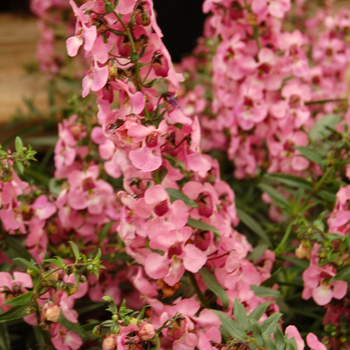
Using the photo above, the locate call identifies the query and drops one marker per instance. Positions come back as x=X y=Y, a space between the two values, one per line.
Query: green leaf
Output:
x=230 y=326
x=55 y=186
x=290 y=180
x=241 y=316
x=291 y=344
x=320 y=131
x=265 y=292
x=104 y=232
x=23 y=299
x=253 y=225
x=75 y=327
x=297 y=262
x=311 y=154
x=175 y=194
x=278 y=198
x=259 y=311
x=202 y=226
x=269 y=343
x=343 y=274
x=5 y=343
x=28 y=264
x=257 y=252
x=211 y=282
x=75 y=251
x=14 y=313
x=257 y=333
x=18 y=144
x=57 y=261
x=19 y=166
x=279 y=339
x=269 y=325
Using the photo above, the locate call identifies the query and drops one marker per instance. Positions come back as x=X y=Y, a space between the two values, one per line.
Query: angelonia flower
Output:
x=256 y=96
x=132 y=178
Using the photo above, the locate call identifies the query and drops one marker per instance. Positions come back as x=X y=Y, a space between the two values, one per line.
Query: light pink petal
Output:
x=340 y=289
x=322 y=294
x=293 y=332
x=24 y=278
x=145 y=159
x=156 y=266
x=313 y=342
x=193 y=258
x=156 y=194
x=73 y=43
x=5 y=279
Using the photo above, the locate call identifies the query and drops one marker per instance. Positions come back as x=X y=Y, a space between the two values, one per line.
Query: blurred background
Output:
x=180 y=20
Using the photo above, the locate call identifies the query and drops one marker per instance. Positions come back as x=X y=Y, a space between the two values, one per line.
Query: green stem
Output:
x=157 y=342
x=325 y=101
x=318 y=185
x=198 y=291
x=280 y=247
x=136 y=64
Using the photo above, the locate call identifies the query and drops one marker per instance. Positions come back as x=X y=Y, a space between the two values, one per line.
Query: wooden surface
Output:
x=18 y=38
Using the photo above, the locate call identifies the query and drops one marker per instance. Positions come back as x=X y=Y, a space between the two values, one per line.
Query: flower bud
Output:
x=51 y=313
x=109 y=343
x=146 y=332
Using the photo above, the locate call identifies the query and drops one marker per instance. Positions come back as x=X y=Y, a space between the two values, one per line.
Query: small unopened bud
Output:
x=107 y=299
x=303 y=252
x=146 y=332
x=52 y=313
x=109 y=343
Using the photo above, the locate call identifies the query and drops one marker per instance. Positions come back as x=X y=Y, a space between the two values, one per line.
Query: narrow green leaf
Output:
x=279 y=339
x=320 y=129
x=57 y=261
x=297 y=262
x=175 y=194
x=290 y=180
x=55 y=186
x=75 y=250
x=202 y=226
x=311 y=154
x=269 y=343
x=211 y=282
x=269 y=325
x=343 y=275
x=23 y=299
x=257 y=252
x=20 y=166
x=104 y=232
x=276 y=196
x=257 y=313
x=241 y=316
x=265 y=292
x=291 y=344
x=257 y=333
x=14 y=313
x=5 y=342
x=28 y=264
x=18 y=144
x=230 y=326
x=76 y=277
x=253 y=225
x=75 y=327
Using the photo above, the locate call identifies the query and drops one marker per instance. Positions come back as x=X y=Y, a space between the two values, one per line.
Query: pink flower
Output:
x=63 y=339
x=314 y=343
x=178 y=256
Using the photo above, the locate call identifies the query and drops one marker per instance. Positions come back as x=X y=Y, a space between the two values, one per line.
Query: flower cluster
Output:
x=265 y=88
x=151 y=224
